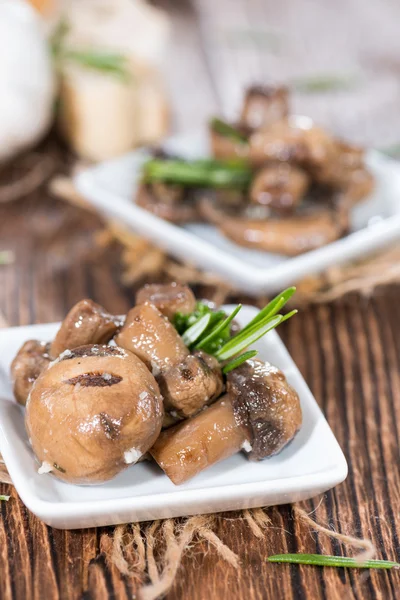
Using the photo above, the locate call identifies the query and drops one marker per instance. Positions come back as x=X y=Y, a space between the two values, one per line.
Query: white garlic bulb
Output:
x=27 y=81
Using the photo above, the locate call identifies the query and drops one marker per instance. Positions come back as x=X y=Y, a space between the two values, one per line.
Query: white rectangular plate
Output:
x=311 y=464
x=375 y=222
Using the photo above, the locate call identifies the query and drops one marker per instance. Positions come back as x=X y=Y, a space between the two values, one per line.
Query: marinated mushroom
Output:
x=261 y=414
x=32 y=358
x=93 y=412
x=257 y=185
x=308 y=229
x=86 y=323
x=148 y=334
x=264 y=105
x=173 y=203
x=280 y=186
x=191 y=385
x=289 y=141
x=169 y=298
x=228 y=141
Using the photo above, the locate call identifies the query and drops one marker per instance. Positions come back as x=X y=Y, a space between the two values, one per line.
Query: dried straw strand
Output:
x=367 y=545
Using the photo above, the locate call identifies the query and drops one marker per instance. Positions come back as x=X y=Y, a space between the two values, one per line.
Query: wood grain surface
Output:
x=348 y=352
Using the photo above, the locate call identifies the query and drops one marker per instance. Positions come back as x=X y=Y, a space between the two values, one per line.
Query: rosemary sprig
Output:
x=209 y=331
x=245 y=338
x=272 y=307
x=110 y=63
x=228 y=131
x=218 y=329
x=323 y=83
x=194 y=332
x=4 y=498
x=198 y=173
x=239 y=360
x=320 y=560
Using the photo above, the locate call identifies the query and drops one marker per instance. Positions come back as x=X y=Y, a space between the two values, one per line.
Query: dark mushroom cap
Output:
x=93 y=412
x=190 y=385
x=265 y=405
x=264 y=105
x=169 y=298
x=166 y=202
x=280 y=186
x=86 y=323
x=148 y=334
x=32 y=358
x=310 y=147
x=224 y=147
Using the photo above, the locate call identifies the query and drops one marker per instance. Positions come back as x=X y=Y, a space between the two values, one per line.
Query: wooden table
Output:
x=349 y=353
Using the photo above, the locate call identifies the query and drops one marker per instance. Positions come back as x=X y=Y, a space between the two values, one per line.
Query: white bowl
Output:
x=311 y=464
x=375 y=222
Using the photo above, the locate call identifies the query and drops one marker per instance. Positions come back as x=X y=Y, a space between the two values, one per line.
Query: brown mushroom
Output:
x=226 y=147
x=347 y=172
x=169 y=298
x=307 y=229
x=93 y=412
x=191 y=385
x=264 y=105
x=285 y=140
x=32 y=358
x=148 y=334
x=261 y=414
x=173 y=203
x=280 y=186
x=86 y=323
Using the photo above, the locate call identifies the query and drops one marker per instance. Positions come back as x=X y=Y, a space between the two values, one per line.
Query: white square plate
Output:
x=374 y=223
x=311 y=464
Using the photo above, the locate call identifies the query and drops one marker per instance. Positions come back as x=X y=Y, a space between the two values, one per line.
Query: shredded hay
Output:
x=162 y=545
x=368 y=547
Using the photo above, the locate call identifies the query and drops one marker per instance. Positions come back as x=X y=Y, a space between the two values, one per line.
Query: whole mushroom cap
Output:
x=265 y=405
x=86 y=323
x=169 y=298
x=32 y=358
x=92 y=412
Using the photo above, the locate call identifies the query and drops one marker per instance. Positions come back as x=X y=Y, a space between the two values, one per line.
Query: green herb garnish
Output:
x=4 y=498
x=332 y=561
x=211 y=331
x=194 y=332
x=216 y=332
x=264 y=39
x=198 y=173
x=228 y=131
x=239 y=360
x=110 y=63
x=318 y=84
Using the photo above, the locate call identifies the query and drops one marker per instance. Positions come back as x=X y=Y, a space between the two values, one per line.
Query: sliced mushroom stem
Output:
x=261 y=414
x=190 y=447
